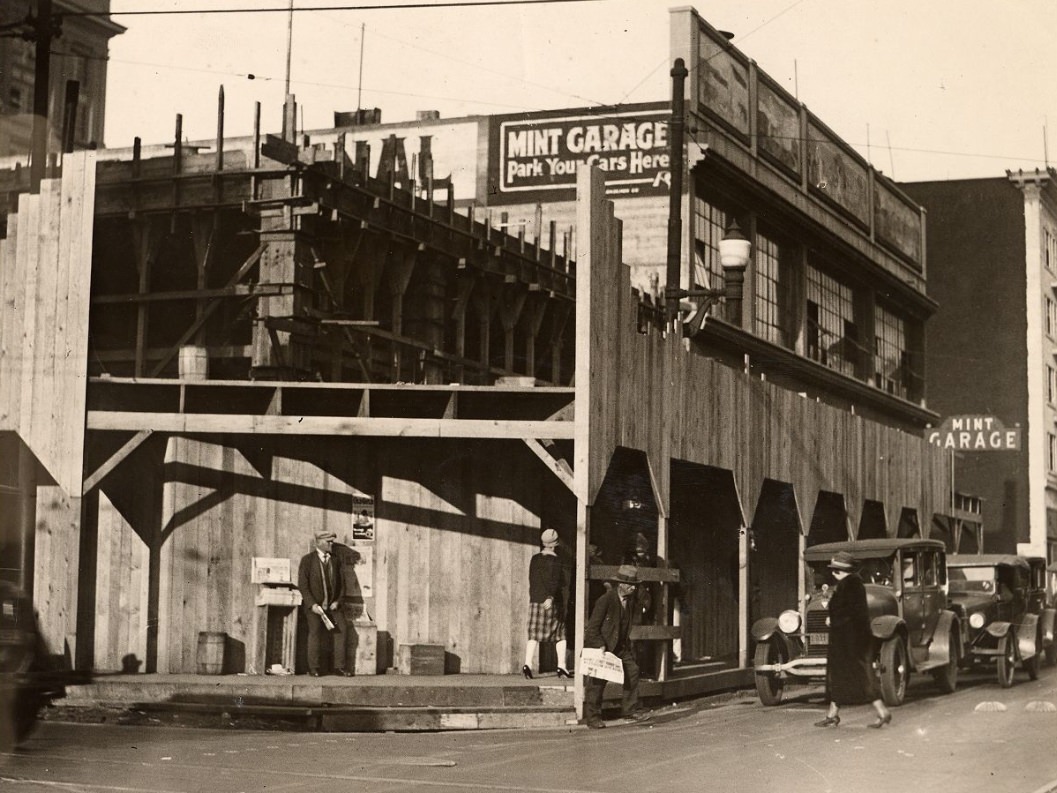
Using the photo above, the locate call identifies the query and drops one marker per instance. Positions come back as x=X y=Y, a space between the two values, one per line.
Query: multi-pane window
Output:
x=770 y=321
x=832 y=337
x=1051 y=317
x=890 y=352
x=1051 y=385
x=1053 y=451
x=710 y=223
x=1051 y=249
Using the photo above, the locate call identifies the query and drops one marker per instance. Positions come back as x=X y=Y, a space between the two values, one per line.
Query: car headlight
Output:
x=789 y=621
x=977 y=620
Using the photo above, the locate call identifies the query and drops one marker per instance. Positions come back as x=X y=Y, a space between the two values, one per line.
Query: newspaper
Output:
x=596 y=662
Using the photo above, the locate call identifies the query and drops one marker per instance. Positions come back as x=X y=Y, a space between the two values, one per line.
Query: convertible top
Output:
x=870 y=549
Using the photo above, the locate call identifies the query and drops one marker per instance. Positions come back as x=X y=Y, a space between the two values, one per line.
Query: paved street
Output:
x=981 y=738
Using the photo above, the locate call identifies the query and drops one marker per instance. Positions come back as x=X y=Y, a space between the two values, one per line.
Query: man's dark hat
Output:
x=842 y=561
x=626 y=574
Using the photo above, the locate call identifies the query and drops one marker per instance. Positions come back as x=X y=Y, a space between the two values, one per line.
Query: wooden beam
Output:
x=560 y=468
x=327 y=425
x=141 y=231
x=101 y=472
x=238 y=290
x=606 y=572
x=208 y=312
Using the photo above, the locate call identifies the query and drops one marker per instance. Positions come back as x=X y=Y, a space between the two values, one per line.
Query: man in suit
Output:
x=608 y=628
x=320 y=580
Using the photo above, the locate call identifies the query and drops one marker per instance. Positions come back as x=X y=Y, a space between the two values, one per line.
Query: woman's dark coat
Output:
x=850 y=676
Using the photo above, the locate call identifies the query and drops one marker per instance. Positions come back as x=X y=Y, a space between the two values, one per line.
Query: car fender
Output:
x=1049 y=617
x=1027 y=632
x=998 y=629
x=764 y=628
x=886 y=626
x=940 y=648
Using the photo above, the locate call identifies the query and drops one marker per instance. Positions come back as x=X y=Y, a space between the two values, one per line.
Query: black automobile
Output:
x=992 y=594
x=1041 y=602
x=906 y=593
x=30 y=678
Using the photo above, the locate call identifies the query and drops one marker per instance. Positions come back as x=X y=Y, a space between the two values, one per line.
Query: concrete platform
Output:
x=360 y=704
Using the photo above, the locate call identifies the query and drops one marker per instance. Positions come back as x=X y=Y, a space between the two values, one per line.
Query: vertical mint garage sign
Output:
x=536 y=156
x=974 y=433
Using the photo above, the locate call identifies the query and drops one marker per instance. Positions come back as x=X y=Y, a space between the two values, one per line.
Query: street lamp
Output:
x=734 y=252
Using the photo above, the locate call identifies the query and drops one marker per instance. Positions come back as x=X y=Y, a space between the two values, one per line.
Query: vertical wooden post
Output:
x=27 y=486
x=41 y=85
x=141 y=233
x=87 y=581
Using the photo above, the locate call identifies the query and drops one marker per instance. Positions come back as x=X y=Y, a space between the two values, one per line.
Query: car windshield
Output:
x=971 y=579
x=876 y=570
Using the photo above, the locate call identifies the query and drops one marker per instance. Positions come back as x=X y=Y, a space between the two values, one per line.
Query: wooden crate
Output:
x=420 y=659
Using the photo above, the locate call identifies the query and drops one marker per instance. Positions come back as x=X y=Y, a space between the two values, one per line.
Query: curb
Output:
x=315 y=718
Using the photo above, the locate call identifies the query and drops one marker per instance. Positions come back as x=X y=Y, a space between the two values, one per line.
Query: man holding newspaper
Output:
x=608 y=629
x=319 y=577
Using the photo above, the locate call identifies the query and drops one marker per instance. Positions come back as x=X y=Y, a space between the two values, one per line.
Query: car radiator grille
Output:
x=815 y=625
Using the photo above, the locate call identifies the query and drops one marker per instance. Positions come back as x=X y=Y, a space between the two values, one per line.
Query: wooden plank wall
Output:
x=651 y=392
x=121 y=594
x=55 y=580
x=45 y=269
x=454 y=535
x=454 y=551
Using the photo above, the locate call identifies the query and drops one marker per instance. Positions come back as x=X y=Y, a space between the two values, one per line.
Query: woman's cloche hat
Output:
x=549 y=537
x=842 y=561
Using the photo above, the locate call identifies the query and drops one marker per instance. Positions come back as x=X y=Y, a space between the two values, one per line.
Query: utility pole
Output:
x=675 y=204
x=41 y=83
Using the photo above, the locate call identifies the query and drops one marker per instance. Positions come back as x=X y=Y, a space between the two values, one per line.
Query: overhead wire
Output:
x=467 y=4
x=286 y=9
x=342 y=86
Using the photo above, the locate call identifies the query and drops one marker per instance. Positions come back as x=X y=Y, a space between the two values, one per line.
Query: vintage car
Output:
x=906 y=592
x=30 y=678
x=1041 y=601
x=994 y=596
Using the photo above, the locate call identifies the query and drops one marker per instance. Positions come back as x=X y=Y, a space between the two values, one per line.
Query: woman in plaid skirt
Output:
x=548 y=592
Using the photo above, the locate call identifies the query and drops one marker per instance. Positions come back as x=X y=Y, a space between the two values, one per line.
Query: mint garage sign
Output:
x=974 y=433
x=534 y=157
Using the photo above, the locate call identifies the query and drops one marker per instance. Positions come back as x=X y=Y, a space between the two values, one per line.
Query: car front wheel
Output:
x=1007 y=659
x=769 y=684
x=894 y=671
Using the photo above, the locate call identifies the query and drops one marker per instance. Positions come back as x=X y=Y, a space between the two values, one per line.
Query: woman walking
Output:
x=548 y=592
x=850 y=676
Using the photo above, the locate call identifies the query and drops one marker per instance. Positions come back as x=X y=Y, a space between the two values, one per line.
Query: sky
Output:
x=942 y=89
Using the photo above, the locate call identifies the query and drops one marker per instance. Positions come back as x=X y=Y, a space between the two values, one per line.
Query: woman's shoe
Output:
x=527 y=672
x=564 y=672
x=881 y=722
x=832 y=721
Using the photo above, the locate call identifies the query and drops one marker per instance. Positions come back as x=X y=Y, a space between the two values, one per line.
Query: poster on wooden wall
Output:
x=363 y=518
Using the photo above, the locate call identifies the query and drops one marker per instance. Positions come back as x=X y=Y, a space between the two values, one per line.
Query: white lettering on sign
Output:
x=543 y=153
x=533 y=142
x=974 y=434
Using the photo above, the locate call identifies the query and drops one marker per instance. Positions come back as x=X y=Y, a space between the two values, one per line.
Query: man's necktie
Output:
x=326 y=580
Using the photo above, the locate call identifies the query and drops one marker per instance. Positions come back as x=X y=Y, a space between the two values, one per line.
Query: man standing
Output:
x=608 y=628
x=320 y=581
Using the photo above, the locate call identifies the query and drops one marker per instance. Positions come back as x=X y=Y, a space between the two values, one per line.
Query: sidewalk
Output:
x=357 y=704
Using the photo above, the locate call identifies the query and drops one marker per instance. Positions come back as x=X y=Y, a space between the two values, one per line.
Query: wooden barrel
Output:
x=194 y=363
x=211 y=653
